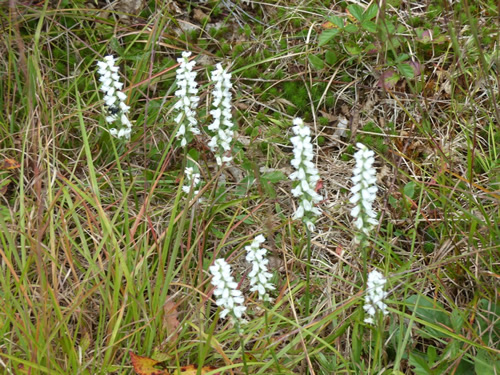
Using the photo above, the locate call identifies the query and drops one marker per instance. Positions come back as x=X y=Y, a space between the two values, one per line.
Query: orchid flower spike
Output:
x=192 y=179
x=374 y=297
x=364 y=191
x=114 y=98
x=187 y=90
x=222 y=126
x=227 y=296
x=259 y=276
x=306 y=175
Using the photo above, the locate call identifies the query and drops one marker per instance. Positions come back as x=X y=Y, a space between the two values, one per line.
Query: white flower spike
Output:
x=191 y=179
x=306 y=174
x=114 y=98
x=222 y=125
x=227 y=296
x=374 y=297
x=364 y=190
x=259 y=276
x=187 y=90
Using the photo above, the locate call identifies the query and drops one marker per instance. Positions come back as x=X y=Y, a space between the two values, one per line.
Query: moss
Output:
x=247 y=31
x=279 y=74
x=252 y=72
x=261 y=116
x=203 y=44
x=329 y=100
x=273 y=91
x=238 y=50
x=216 y=11
x=193 y=35
x=225 y=48
x=323 y=121
x=212 y=32
x=291 y=110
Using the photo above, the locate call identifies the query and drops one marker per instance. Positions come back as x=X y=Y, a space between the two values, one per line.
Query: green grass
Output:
x=97 y=238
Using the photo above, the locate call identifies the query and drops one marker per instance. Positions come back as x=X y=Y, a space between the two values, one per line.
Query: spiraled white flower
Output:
x=187 y=90
x=227 y=296
x=259 y=276
x=306 y=174
x=191 y=179
x=374 y=297
x=114 y=98
x=222 y=126
x=364 y=190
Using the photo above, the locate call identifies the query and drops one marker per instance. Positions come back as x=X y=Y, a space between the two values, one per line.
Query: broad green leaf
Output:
x=274 y=176
x=420 y=364
x=330 y=57
x=336 y=20
x=316 y=62
x=429 y=311
x=353 y=49
x=351 y=28
x=369 y=26
x=409 y=189
x=457 y=320
x=371 y=12
x=356 y=11
x=406 y=70
x=402 y=57
x=431 y=354
x=326 y=36
x=485 y=364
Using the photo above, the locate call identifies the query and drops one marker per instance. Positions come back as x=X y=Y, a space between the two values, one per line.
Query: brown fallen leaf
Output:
x=9 y=164
x=170 y=321
x=193 y=370
x=147 y=366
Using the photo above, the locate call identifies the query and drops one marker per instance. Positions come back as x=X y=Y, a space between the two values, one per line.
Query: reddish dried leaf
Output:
x=319 y=186
x=170 y=320
x=417 y=67
x=328 y=25
x=193 y=370
x=146 y=366
x=10 y=164
x=388 y=79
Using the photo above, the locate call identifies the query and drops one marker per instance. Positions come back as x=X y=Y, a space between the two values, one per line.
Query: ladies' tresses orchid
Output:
x=114 y=98
x=259 y=276
x=364 y=191
x=227 y=296
x=188 y=100
x=375 y=295
x=191 y=179
x=222 y=126
x=306 y=174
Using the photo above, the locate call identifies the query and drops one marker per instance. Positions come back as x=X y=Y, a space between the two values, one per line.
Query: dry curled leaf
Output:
x=170 y=321
x=147 y=366
x=10 y=164
x=193 y=370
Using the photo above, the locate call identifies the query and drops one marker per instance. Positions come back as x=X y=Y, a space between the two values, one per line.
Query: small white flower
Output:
x=306 y=174
x=227 y=296
x=222 y=126
x=374 y=297
x=187 y=99
x=114 y=98
x=191 y=179
x=364 y=190
x=259 y=276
